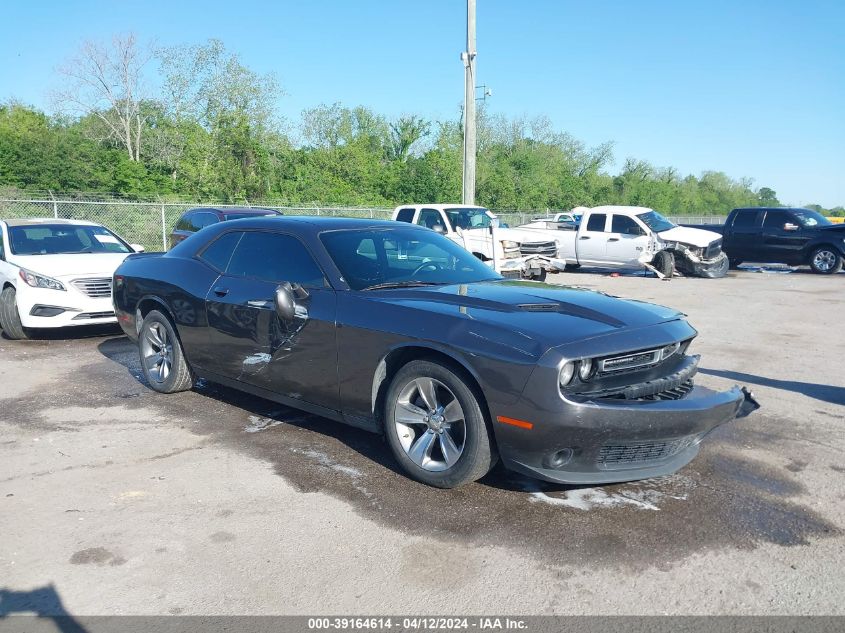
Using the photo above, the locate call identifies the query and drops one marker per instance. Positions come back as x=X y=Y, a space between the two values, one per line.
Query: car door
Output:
x=784 y=237
x=8 y=272
x=743 y=241
x=626 y=241
x=297 y=359
x=592 y=240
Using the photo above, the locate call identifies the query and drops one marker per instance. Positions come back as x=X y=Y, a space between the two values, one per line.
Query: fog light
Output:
x=585 y=370
x=566 y=373
x=558 y=459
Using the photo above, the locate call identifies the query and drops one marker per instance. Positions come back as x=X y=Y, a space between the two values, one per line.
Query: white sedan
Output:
x=57 y=273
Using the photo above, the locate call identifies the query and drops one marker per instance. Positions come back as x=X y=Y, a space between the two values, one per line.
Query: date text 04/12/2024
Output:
x=416 y=623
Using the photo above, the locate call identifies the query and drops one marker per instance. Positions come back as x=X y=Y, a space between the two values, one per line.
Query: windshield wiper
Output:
x=403 y=284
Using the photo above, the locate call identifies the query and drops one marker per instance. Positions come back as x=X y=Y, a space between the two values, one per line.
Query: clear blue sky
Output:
x=751 y=88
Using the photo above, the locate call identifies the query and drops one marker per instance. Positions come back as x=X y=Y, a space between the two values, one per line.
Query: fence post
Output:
x=55 y=206
x=163 y=230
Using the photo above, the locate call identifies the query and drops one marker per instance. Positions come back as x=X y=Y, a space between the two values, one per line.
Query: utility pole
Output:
x=468 y=58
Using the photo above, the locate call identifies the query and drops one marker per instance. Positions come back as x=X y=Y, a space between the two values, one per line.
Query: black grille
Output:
x=634 y=453
x=671 y=394
x=538 y=248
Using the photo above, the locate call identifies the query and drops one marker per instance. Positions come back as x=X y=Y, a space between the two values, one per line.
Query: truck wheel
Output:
x=10 y=318
x=825 y=260
x=541 y=276
x=435 y=426
x=735 y=263
x=162 y=360
x=664 y=261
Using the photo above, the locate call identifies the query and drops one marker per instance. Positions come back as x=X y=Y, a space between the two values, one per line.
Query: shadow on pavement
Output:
x=825 y=393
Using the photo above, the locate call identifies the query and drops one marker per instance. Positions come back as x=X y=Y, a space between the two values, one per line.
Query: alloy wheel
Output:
x=430 y=424
x=157 y=352
x=824 y=260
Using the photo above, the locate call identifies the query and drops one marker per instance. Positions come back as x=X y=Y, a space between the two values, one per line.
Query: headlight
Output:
x=509 y=244
x=667 y=351
x=40 y=281
x=566 y=373
x=585 y=369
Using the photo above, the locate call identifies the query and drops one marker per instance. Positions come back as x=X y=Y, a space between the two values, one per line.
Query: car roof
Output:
x=224 y=210
x=610 y=208
x=37 y=221
x=440 y=207
x=318 y=223
x=771 y=209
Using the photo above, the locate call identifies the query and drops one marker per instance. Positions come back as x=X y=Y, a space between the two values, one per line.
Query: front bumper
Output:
x=531 y=263
x=45 y=308
x=605 y=441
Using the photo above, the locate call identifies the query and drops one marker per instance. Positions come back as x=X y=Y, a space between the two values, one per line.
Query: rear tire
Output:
x=825 y=260
x=162 y=360
x=435 y=426
x=10 y=318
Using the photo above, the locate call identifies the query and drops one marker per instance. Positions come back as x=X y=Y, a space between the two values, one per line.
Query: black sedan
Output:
x=396 y=329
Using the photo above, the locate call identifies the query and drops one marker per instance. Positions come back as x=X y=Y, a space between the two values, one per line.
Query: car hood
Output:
x=530 y=316
x=71 y=265
x=834 y=228
x=687 y=235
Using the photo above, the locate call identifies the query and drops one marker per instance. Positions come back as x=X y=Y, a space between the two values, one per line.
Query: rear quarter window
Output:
x=219 y=252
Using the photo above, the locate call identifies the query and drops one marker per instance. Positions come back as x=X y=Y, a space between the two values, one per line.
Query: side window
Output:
x=745 y=219
x=219 y=252
x=275 y=257
x=430 y=218
x=184 y=223
x=405 y=215
x=596 y=222
x=205 y=219
x=2 y=246
x=775 y=220
x=625 y=225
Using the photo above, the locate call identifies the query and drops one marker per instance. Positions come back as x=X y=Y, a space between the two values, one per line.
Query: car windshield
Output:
x=61 y=239
x=469 y=218
x=655 y=221
x=402 y=257
x=240 y=216
x=809 y=218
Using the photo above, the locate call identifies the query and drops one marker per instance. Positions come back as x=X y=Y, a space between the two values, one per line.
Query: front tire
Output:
x=10 y=318
x=825 y=260
x=664 y=261
x=541 y=276
x=162 y=359
x=435 y=426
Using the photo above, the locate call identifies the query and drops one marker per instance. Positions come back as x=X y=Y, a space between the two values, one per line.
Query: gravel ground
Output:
x=118 y=500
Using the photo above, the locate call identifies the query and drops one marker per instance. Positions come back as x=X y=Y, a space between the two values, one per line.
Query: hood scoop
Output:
x=572 y=309
x=539 y=307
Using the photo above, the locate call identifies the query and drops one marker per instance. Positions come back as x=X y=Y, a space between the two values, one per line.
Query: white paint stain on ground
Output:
x=257 y=423
x=324 y=460
x=642 y=495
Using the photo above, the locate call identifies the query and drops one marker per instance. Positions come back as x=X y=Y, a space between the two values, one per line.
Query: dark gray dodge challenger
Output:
x=396 y=329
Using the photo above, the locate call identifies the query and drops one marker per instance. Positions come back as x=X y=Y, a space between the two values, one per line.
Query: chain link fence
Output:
x=150 y=223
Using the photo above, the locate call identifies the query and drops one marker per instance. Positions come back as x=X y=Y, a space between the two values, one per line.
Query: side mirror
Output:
x=285 y=302
x=137 y=248
x=439 y=228
x=790 y=227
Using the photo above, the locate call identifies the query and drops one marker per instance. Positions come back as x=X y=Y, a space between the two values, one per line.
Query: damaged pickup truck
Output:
x=635 y=238
x=396 y=329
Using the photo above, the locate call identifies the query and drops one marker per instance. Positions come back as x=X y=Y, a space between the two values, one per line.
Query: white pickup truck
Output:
x=634 y=238
x=512 y=252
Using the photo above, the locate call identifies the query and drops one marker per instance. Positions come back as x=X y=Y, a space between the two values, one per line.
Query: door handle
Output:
x=584 y=237
x=220 y=291
x=260 y=303
x=613 y=239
